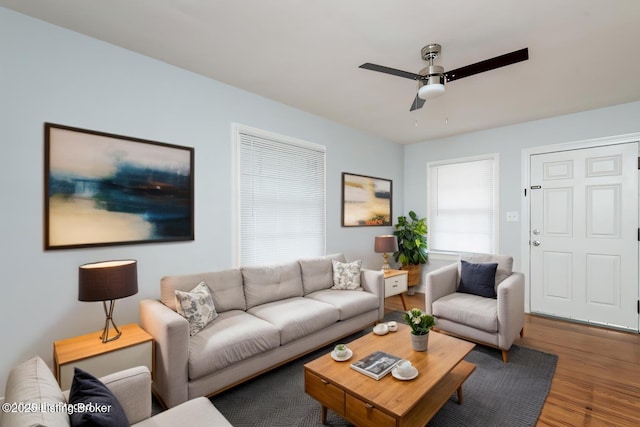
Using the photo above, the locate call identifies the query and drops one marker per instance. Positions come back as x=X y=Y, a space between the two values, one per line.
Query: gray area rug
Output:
x=496 y=394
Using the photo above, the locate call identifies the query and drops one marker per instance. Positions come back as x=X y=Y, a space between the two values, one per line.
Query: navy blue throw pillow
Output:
x=93 y=403
x=478 y=279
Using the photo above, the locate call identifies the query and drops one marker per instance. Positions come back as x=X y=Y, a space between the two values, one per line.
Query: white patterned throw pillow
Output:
x=197 y=307
x=346 y=275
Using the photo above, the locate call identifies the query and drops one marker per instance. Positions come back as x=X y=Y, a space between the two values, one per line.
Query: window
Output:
x=463 y=205
x=281 y=198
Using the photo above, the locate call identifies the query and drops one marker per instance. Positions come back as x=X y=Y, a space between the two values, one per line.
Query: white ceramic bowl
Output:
x=381 y=329
x=392 y=325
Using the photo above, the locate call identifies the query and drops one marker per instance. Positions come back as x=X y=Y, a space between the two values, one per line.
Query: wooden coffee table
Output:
x=364 y=401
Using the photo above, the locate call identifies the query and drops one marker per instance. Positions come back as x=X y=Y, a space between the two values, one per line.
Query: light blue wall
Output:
x=49 y=74
x=509 y=142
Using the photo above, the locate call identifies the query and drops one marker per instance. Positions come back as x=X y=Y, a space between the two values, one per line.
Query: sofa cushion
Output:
x=297 y=317
x=505 y=264
x=31 y=382
x=317 y=273
x=276 y=282
x=346 y=275
x=87 y=389
x=471 y=310
x=225 y=286
x=234 y=336
x=348 y=303
x=195 y=412
x=197 y=307
x=478 y=279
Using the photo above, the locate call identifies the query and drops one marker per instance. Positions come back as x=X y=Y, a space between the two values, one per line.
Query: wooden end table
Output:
x=364 y=401
x=89 y=353
x=395 y=283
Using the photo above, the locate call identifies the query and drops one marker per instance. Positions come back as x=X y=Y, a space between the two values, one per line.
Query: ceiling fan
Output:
x=432 y=78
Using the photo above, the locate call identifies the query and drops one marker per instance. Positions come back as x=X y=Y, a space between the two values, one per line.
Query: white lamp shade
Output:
x=430 y=91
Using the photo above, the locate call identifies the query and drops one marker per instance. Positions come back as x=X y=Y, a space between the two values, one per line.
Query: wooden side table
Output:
x=88 y=352
x=395 y=283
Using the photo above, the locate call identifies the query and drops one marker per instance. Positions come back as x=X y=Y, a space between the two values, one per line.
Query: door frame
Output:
x=525 y=247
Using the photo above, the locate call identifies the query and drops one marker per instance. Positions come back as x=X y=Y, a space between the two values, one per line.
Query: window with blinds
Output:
x=281 y=198
x=463 y=205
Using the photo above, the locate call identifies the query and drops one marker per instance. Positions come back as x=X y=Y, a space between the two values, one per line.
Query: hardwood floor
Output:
x=597 y=379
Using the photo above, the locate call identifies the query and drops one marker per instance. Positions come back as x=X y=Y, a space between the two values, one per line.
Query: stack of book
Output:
x=376 y=365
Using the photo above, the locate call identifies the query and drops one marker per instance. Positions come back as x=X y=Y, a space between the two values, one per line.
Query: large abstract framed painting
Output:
x=104 y=189
x=366 y=201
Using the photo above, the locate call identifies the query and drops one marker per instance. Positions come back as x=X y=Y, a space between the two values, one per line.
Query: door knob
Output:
x=536 y=243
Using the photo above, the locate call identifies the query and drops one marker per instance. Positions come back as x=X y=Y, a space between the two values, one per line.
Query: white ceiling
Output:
x=583 y=54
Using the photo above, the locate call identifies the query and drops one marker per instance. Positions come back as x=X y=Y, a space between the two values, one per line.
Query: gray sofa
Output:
x=31 y=385
x=267 y=316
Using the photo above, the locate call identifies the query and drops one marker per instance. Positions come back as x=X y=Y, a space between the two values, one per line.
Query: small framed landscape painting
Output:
x=366 y=201
x=104 y=189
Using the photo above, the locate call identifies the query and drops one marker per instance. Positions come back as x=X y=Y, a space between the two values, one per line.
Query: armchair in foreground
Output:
x=479 y=299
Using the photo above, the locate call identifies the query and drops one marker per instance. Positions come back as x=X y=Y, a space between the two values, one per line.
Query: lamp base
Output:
x=109 y=319
x=385 y=262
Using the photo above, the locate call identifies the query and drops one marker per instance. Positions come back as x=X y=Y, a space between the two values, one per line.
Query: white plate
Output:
x=396 y=375
x=343 y=358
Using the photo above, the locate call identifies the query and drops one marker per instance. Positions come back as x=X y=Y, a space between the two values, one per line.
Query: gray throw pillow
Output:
x=101 y=407
x=346 y=275
x=197 y=307
x=478 y=279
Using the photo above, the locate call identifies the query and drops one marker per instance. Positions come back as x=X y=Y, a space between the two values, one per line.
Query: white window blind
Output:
x=463 y=205
x=281 y=199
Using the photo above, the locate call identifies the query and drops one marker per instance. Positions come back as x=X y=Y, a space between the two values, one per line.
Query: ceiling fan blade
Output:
x=417 y=103
x=488 y=64
x=392 y=71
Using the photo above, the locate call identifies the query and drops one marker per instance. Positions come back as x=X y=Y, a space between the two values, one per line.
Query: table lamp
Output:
x=108 y=281
x=385 y=244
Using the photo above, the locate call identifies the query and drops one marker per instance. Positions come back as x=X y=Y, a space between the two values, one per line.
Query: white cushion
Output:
x=234 y=336
x=271 y=283
x=348 y=303
x=297 y=317
x=346 y=275
x=225 y=286
x=197 y=307
x=471 y=310
x=195 y=412
x=317 y=273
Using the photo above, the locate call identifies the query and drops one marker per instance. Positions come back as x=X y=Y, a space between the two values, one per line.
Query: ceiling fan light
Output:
x=431 y=90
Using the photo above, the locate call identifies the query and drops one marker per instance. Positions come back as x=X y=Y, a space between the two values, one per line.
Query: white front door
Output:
x=584 y=234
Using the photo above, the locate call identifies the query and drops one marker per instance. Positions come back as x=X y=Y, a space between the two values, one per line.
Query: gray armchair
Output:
x=495 y=322
x=32 y=384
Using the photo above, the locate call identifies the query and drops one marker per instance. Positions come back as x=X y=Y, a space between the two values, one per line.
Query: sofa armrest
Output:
x=373 y=281
x=132 y=388
x=439 y=283
x=170 y=333
x=510 y=309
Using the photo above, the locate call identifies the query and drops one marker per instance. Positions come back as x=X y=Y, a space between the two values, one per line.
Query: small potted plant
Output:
x=412 y=246
x=420 y=323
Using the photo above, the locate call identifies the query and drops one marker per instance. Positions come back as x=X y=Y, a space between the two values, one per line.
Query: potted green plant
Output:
x=412 y=246
x=420 y=323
